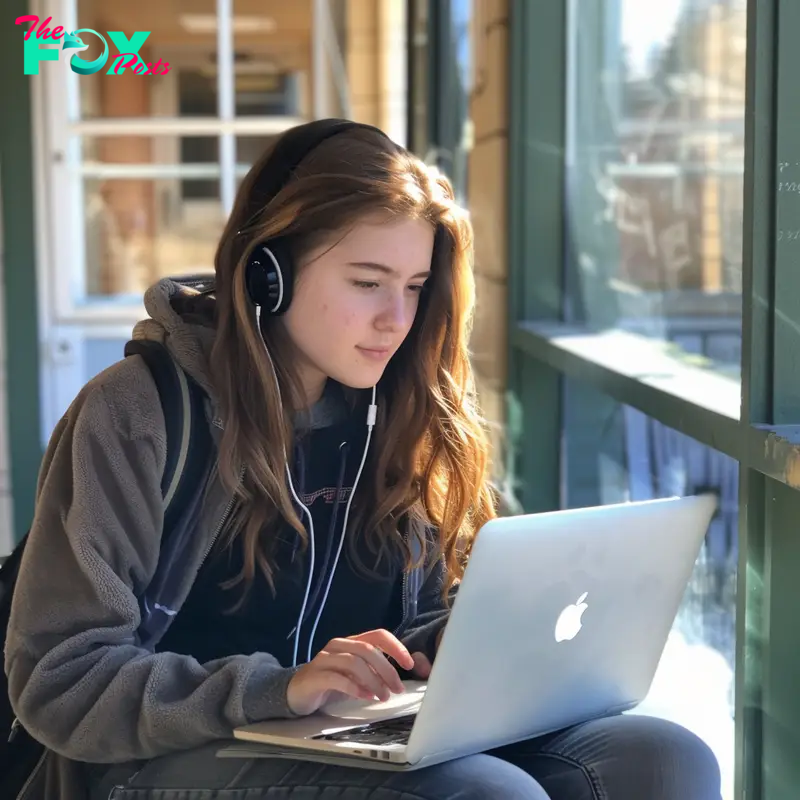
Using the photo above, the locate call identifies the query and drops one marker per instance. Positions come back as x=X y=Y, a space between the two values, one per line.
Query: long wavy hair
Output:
x=429 y=454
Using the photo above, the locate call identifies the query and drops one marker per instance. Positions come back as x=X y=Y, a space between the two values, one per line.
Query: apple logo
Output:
x=569 y=620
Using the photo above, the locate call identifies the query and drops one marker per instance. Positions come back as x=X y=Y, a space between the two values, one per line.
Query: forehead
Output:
x=400 y=244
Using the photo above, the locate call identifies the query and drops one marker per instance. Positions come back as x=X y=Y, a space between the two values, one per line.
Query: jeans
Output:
x=627 y=757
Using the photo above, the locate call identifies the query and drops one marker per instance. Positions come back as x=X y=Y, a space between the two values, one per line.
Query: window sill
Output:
x=644 y=373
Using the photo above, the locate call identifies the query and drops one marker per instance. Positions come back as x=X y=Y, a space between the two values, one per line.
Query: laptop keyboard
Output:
x=385 y=731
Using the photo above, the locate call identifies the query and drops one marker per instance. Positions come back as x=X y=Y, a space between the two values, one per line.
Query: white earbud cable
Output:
x=297 y=500
x=371 y=416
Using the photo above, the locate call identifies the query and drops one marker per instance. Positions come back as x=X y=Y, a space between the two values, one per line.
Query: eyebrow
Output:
x=386 y=270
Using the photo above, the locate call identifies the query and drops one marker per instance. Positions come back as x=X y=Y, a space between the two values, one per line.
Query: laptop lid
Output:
x=561 y=617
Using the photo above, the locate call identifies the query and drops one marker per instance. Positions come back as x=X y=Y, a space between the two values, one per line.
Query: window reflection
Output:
x=138 y=231
x=655 y=172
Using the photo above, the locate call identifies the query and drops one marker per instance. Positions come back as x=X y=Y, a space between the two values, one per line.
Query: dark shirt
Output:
x=329 y=455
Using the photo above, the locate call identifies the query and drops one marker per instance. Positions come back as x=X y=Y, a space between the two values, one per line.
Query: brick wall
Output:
x=487 y=189
x=376 y=60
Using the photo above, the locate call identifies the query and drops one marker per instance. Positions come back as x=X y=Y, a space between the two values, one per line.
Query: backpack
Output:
x=189 y=446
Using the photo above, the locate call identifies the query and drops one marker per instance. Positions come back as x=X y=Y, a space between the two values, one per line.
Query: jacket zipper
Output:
x=404 y=618
x=405 y=604
x=34 y=772
x=223 y=519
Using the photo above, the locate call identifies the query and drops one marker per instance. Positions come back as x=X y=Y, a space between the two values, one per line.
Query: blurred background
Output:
x=630 y=231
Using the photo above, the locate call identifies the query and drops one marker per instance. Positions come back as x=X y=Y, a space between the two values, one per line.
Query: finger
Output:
x=422 y=665
x=390 y=644
x=373 y=656
x=358 y=670
x=339 y=682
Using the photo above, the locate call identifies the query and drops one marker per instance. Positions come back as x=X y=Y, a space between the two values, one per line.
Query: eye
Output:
x=418 y=289
x=365 y=284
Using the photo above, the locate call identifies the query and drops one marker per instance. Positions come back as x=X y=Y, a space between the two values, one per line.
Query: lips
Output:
x=377 y=353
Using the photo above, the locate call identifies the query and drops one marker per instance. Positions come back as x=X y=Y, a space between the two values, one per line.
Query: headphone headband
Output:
x=289 y=151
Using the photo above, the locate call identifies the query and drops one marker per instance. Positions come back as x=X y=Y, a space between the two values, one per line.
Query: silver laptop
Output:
x=560 y=618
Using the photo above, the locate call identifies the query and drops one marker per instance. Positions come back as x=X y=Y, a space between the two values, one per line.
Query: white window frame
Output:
x=60 y=171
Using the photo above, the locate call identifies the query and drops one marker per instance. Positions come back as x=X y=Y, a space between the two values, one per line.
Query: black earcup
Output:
x=270 y=276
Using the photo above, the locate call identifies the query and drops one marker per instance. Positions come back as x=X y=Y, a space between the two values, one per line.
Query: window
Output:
x=149 y=166
x=654 y=303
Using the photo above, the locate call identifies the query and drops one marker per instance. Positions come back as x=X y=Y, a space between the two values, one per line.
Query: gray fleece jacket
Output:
x=80 y=680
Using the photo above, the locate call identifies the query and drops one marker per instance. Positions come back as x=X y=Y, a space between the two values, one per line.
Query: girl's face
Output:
x=354 y=303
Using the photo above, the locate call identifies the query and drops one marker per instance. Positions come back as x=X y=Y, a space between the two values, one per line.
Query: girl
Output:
x=322 y=550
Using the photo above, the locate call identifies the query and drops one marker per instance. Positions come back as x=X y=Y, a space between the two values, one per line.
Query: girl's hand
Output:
x=422 y=665
x=355 y=666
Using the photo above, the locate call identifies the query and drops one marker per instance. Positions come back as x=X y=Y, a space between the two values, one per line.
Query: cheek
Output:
x=332 y=316
x=332 y=327
x=329 y=315
x=347 y=316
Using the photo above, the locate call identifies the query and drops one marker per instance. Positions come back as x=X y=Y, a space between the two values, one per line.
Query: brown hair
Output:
x=428 y=457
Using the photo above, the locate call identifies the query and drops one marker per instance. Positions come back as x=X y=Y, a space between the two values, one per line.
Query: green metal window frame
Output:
x=435 y=100
x=19 y=273
x=764 y=438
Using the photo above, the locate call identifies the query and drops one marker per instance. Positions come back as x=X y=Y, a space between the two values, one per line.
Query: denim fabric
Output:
x=627 y=757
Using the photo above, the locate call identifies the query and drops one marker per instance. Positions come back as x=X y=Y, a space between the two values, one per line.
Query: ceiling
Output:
x=277 y=29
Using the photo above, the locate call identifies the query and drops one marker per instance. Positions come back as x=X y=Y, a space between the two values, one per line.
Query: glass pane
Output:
x=258 y=89
x=140 y=230
x=171 y=40
x=358 y=45
x=614 y=453
x=349 y=63
x=455 y=89
x=419 y=76
x=453 y=43
x=271 y=56
x=655 y=174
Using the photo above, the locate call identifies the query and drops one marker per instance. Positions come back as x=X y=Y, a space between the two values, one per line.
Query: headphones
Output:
x=269 y=278
x=269 y=274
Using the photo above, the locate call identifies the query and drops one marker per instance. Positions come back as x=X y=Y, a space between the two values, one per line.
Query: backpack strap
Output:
x=189 y=442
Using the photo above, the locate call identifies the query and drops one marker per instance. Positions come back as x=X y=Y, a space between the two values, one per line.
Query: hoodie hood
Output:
x=189 y=343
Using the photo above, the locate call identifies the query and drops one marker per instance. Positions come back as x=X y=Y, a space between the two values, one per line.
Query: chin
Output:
x=360 y=381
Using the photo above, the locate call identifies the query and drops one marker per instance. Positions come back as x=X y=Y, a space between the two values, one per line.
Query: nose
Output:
x=398 y=312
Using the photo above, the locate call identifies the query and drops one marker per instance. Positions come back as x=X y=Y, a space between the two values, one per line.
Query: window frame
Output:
x=62 y=167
